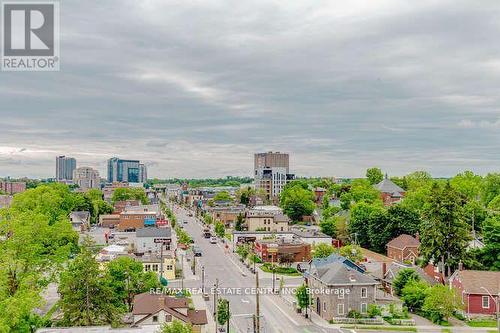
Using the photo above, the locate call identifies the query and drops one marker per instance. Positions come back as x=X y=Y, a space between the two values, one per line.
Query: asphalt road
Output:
x=276 y=316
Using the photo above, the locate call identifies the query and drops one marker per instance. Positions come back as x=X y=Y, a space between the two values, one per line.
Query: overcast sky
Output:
x=194 y=88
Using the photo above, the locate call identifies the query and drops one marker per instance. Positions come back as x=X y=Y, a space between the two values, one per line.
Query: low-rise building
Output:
x=86 y=178
x=227 y=214
x=266 y=218
x=390 y=273
x=10 y=187
x=80 y=220
x=152 y=238
x=137 y=217
x=154 y=309
x=109 y=220
x=479 y=291
x=309 y=237
x=338 y=289
x=281 y=250
x=403 y=248
x=120 y=206
x=5 y=200
x=153 y=263
x=389 y=191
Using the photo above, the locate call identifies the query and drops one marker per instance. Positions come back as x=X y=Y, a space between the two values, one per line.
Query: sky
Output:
x=195 y=88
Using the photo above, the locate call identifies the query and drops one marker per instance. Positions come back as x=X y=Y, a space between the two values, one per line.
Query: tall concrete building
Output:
x=272 y=172
x=131 y=171
x=65 y=167
x=86 y=178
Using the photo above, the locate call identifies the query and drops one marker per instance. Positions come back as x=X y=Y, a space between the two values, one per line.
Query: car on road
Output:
x=197 y=251
x=213 y=240
x=190 y=214
x=185 y=221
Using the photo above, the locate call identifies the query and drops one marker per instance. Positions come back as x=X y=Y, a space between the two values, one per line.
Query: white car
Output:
x=213 y=240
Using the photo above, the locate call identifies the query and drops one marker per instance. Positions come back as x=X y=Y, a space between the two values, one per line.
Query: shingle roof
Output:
x=388 y=186
x=472 y=281
x=153 y=232
x=319 y=262
x=339 y=274
x=147 y=303
x=403 y=241
x=396 y=267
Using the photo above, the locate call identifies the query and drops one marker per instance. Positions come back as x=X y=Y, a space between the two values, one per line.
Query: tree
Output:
x=297 y=202
x=240 y=220
x=242 y=251
x=129 y=193
x=374 y=175
x=468 y=184
x=490 y=254
x=207 y=219
x=244 y=195
x=358 y=226
x=414 y=293
x=126 y=278
x=223 y=196
x=303 y=297
x=352 y=252
x=329 y=227
x=445 y=234
x=86 y=299
x=322 y=250
x=182 y=236
x=440 y=303
x=403 y=277
x=176 y=326
x=220 y=230
x=490 y=187
x=223 y=313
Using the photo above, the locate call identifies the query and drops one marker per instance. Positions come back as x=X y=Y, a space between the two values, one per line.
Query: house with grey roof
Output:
x=337 y=289
x=393 y=270
x=390 y=192
x=332 y=258
x=149 y=240
x=80 y=220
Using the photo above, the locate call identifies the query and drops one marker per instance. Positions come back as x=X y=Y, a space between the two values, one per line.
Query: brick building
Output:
x=12 y=187
x=403 y=248
x=389 y=191
x=284 y=250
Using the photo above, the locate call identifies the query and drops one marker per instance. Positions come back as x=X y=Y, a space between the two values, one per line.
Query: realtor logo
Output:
x=30 y=36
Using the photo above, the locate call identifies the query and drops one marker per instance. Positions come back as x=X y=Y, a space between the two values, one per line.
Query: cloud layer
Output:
x=194 y=88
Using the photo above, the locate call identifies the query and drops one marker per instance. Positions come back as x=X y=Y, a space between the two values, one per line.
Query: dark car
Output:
x=197 y=251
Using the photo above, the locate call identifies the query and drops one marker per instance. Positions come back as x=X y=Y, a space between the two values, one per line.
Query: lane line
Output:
x=282 y=311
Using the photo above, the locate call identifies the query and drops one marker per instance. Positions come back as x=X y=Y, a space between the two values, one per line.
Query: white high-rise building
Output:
x=64 y=168
x=271 y=172
x=86 y=178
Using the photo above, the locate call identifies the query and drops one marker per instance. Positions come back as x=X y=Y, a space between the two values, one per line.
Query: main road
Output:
x=236 y=283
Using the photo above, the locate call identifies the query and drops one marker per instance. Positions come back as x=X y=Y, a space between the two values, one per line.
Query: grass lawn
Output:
x=482 y=323
x=381 y=328
x=290 y=271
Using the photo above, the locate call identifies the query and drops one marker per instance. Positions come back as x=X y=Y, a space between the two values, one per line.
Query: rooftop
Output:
x=403 y=241
x=154 y=232
x=388 y=186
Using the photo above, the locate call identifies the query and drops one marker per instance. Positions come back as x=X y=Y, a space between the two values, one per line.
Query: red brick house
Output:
x=284 y=250
x=389 y=191
x=479 y=291
x=403 y=248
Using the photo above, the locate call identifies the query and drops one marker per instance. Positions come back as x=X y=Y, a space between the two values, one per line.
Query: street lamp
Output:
x=496 y=306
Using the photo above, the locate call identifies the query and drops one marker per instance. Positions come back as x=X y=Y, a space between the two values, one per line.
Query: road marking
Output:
x=242 y=315
x=245 y=300
x=282 y=311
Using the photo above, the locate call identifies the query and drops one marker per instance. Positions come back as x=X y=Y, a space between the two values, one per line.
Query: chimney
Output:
x=417 y=236
x=384 y=269
x=460 y=266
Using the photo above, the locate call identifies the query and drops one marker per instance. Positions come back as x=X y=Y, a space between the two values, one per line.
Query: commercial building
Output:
x=64 y=168
x=281 y=250
x=150 y=240
x=137 y=217
x=311 y=238
x=271 y=172
x=12 y=188
x=86 y=178
x=131 y=171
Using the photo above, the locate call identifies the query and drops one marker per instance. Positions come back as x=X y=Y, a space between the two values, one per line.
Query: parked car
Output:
x=185 y=221
x=197 y=251
x=213 y=240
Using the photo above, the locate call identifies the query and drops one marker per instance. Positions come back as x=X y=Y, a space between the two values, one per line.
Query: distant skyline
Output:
x=194 y=89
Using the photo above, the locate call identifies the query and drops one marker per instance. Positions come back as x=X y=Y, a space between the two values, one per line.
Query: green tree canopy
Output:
x=403 y=277
x=176 y=326
x=374 y=175
x=441 y=302
x=129 y=193
x=297 y=202
x=322 y=250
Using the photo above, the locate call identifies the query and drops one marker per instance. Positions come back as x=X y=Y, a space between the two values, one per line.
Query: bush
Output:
x=374 y=311
x=354 y=314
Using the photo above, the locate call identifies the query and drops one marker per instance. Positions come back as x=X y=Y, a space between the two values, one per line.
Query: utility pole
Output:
x=182 y=278
x=161 y=262
x=228 y=316
x=203 y=279
x=257 y=304
x=215 y=302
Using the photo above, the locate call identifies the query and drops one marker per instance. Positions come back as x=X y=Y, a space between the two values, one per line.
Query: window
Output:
x=147 y=268
x=168 y=317
x=155 y=268
x=486 y=302
x=324 y=306
x=169 y=267
x=364 y=292
x=340 y=309
x=363 y=307
x=155 y=319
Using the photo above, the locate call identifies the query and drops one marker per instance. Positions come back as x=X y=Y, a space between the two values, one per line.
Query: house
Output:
x=403 y=248
x=392 y=271
x=266 y=218
x=283 y=250
x=479 y=291
x=227 y=214
x=338 y=289
x=389 y=191
x=153 y=262
x=154 y=309
x=150 y=239
x=319 y=193
x=80 y=220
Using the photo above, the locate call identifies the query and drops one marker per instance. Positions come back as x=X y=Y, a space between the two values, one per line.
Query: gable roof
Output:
x=338 y=274
x=148 y=304
x=395 y=267
x=81 y=216
x=472 y=281
x=388 y=186
x=403 y=241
